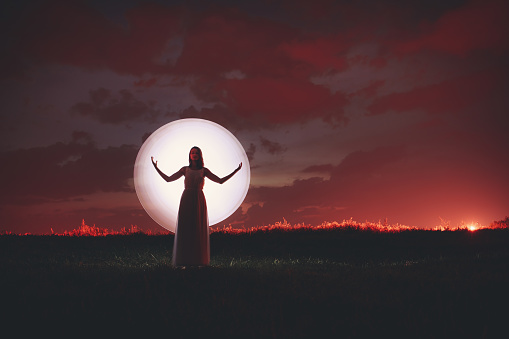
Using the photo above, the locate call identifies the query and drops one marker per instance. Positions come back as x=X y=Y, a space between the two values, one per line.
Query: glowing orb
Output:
x=472 y=227
x=170 y=146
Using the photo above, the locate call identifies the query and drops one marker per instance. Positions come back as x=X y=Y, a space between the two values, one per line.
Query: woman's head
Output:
x=196 y=156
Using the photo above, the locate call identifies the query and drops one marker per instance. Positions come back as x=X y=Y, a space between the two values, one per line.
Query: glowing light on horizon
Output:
x=473 y=227
x=85 y=230
x=170 y=146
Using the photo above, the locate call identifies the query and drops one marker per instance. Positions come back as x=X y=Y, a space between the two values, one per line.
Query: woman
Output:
x=191 y=246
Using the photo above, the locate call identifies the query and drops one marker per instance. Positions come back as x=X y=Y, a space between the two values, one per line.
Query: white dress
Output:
x=191 y=246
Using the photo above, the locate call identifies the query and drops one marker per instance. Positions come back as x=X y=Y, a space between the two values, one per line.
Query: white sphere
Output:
x=170 y=146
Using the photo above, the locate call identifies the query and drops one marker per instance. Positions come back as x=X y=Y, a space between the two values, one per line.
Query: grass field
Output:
x=332 y=283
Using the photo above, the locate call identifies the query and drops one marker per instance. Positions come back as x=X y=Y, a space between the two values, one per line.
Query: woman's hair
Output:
x=199 y=162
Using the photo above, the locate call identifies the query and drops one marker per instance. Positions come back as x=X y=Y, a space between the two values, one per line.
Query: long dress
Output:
x=191 y=246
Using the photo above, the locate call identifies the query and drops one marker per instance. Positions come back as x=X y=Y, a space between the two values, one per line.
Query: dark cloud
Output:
x=281 y=101
x=371 y=90
x=146 y=82
x=226 y=39
x=366 y=163
x=271 y=204
x=274 y=60
x=62 y=171
x=257 y=65
x=326 y=168
x=72 y=33
x=145 y=136
x=115 y=109
x=250 y=152
x=323 y=54
x=391 y=182
x=220 y=114
x=81 y=137
x=272 y=84
x=272 y=147
x=449 y=96
x=478 y=25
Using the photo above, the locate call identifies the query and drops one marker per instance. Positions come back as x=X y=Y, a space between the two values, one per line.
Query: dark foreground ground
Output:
x=342 y=283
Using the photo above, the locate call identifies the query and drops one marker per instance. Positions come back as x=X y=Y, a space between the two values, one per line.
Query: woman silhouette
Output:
x=191 y=246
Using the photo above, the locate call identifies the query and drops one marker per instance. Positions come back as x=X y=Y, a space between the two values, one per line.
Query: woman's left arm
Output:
x=219 y=180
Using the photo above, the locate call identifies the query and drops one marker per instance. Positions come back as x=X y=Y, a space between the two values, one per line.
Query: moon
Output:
x=170 y=146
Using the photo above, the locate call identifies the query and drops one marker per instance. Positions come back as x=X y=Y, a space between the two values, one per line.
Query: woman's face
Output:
x=194 y=154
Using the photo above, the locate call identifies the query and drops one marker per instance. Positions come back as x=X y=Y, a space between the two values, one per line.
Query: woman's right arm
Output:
x=170 y=178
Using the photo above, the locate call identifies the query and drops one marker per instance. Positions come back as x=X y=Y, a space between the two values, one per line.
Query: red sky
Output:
x=368 y=110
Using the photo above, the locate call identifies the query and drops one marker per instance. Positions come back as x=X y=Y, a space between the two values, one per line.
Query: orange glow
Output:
x=472 y=227
x=85 y=230
x=286 y=226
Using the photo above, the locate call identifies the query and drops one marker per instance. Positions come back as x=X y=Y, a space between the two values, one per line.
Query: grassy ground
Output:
x=280 y=284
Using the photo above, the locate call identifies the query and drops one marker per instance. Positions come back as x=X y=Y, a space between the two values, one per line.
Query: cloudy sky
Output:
x=369 y=110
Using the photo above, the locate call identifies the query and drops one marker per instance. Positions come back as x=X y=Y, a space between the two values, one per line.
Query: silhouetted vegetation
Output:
x=280 y=283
